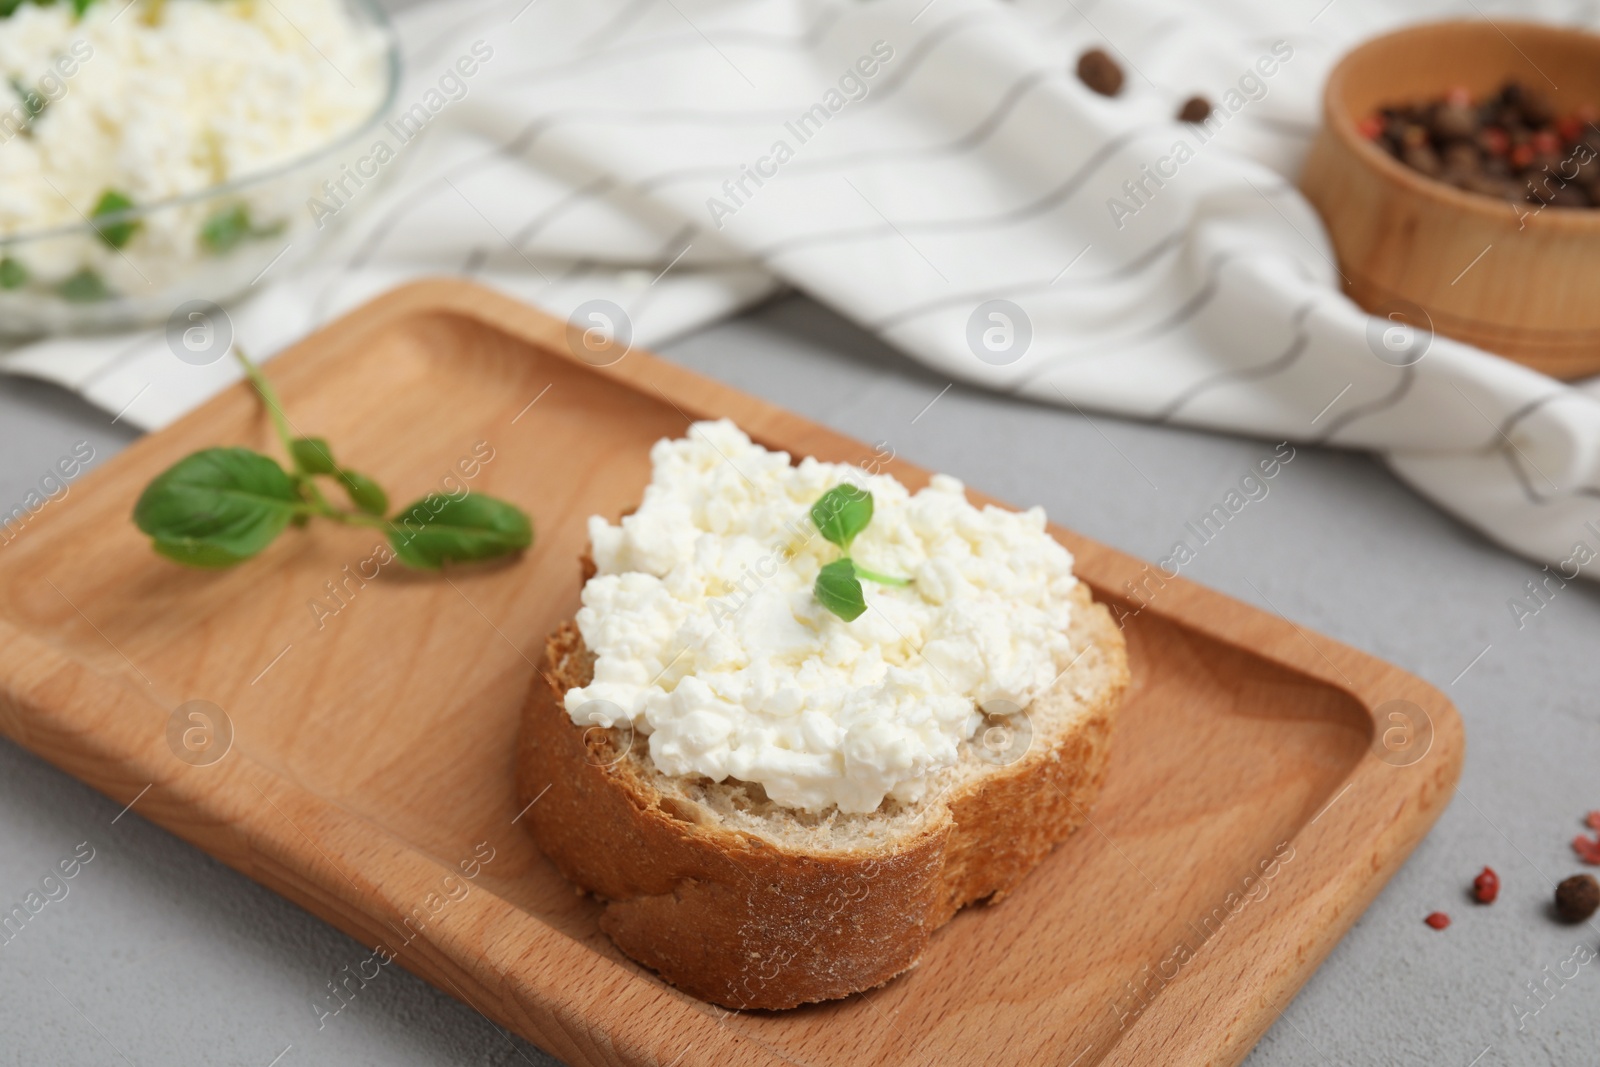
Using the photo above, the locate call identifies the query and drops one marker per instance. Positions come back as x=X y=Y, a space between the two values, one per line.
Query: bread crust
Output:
x=748 y=923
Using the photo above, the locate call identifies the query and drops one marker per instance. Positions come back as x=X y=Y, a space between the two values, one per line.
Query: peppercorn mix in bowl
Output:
x=1432 y=226
x=1512 y=145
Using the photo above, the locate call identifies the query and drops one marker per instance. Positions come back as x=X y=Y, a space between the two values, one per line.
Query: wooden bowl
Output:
x=1514 y=279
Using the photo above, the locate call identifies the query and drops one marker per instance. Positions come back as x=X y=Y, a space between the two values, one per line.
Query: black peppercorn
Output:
x=1100 y=72
x=1577 y=898
x=1195 y=109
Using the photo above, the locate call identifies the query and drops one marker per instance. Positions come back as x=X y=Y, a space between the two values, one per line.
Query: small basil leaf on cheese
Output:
x=227 y=229
x=13 y=275
x=839 y=590
x=84 y=287
x=113 y=203
x=841 y=513
x=32 y=102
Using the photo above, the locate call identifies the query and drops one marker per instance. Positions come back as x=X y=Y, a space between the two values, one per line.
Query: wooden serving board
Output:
x=370 y=766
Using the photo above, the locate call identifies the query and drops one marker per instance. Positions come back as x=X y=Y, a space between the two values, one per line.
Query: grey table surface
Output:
x=160 y=955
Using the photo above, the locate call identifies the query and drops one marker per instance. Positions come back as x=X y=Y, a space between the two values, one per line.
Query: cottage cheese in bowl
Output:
x=167 y=148
x=710 y=643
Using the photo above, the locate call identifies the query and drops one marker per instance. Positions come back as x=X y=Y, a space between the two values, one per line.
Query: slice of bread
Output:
x=747 y=904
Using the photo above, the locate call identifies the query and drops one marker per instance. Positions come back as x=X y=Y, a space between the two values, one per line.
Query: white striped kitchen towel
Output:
x=935 y=171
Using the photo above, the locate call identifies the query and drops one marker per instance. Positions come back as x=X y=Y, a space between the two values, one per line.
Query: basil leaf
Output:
x=84 y=287
x=312 y=455
x=115 y=234
x=217 y=507
x=364 y=493
x=839 y=590
x=13 y=275
x=197 y=554
x=841 y=513
x=32 y=102
x=439 y=529
x=227 y=228
x=80 y=6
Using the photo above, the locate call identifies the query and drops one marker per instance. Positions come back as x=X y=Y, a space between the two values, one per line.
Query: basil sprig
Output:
x=221 y=506
x=839 y=515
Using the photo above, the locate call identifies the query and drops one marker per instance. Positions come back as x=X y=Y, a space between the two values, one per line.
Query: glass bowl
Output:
x=211 y=244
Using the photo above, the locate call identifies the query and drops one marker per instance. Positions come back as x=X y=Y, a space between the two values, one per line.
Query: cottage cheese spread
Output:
x=167 y=99
x=710 y=644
